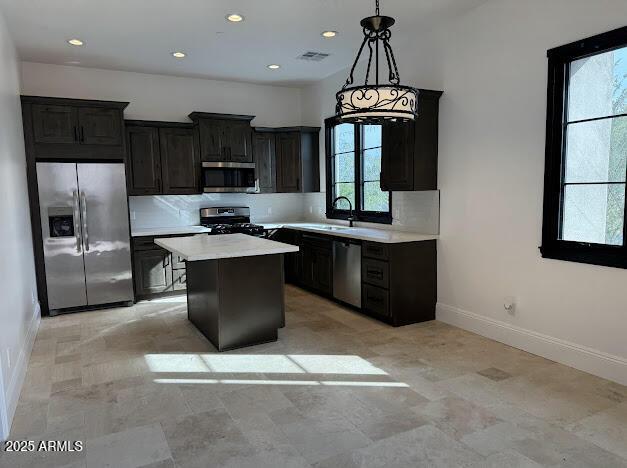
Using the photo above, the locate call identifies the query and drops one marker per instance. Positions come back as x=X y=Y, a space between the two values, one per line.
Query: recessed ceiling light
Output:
x=75 y=42
x=274 y=66
x=329 y=34
x=178 y=54
x=235 y=18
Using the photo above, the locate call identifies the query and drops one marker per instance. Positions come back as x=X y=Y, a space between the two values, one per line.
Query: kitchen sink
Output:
x=325 y=227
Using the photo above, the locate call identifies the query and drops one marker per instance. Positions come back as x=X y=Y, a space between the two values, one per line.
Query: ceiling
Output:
x=140 y=35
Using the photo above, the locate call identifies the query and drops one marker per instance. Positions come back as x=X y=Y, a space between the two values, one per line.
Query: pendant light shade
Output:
x=376 y=102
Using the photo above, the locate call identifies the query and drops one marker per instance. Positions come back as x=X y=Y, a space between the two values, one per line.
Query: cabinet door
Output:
x=397 y=157
x=153 y=272
x=288 y=162
x=55 y=124
x=179 y=161
x=323 y=271
x=212 y=140
x=308 y=275
x=100 y=126
x=143 y=161
x=239 y=141
x=265 y=160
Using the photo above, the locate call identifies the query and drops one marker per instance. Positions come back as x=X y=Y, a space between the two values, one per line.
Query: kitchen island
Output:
x=234 y=286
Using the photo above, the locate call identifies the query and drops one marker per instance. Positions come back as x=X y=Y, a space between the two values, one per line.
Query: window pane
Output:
x=597 y=151
x=345 y=167
x=374 y=199
x=344 y=137
x=347 y=190
x=372 y=136
x=371 y=165
x=598 y=86
x=594 y=213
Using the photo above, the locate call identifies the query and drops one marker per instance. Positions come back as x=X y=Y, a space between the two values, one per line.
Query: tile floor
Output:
x=143 y=389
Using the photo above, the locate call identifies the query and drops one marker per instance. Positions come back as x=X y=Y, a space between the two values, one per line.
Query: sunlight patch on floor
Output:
x=262 y=363
x=282 y=382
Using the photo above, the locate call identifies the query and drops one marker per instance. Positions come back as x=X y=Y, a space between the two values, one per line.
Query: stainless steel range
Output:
x=229 y=220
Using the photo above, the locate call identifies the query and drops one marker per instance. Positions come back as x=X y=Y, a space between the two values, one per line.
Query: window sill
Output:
x=363 y=218
x=607 y=257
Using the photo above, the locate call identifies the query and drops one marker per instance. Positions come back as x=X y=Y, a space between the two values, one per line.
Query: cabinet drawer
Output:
x=179 y=280
x=319 y=242
x=145 y=243
x=375 y=250
x=376 y=300
x=177 y=262
x=375 y=272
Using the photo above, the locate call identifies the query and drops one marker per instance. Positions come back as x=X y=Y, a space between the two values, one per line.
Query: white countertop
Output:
x=384 y=236
x=195 y=248
x=168 y=231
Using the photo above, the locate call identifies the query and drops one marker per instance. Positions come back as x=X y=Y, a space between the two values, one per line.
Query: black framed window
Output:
x=586 y=152
x=354 y=171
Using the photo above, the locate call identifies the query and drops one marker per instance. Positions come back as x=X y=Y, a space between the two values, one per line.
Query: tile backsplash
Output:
x=411 y=211
x=183 y=210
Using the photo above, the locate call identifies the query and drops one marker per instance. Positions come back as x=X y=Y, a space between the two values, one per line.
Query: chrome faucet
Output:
x=350 y=209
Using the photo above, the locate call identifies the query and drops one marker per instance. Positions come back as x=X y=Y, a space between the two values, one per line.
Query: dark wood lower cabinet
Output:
x=399 y=281
x=317 y=261
x=156 y=272
x=153 y=272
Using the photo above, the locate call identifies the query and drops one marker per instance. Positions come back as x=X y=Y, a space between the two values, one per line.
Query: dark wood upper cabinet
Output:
x=54 y=124
x=212 y=140
x=223 y=137
x=239 y=139
x=59 y=128
x=296 y=157
x=397 y=161
x=162 y=158
x=99 y=126
x=143 y=165
x=288 y=162
x=409 y=158
x=264 y=151
x=179 y=161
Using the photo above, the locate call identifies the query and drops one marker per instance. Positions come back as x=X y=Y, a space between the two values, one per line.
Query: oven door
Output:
x=224 y=177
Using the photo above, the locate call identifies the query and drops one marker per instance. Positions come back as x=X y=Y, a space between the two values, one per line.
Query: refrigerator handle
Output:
x=77 y=221
x=84 y=217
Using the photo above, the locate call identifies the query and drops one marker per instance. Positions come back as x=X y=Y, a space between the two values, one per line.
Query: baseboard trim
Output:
x=580 y=357
x=16 y=380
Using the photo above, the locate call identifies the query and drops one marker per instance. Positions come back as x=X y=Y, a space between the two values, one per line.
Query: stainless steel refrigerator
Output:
x=85 y=233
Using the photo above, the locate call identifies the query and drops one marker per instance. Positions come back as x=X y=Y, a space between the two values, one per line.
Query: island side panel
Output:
x=203 y=300
x=251 y=300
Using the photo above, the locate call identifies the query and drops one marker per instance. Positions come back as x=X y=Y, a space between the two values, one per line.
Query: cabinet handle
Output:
x=298 y=183
x=76 y=134
x=82 y=134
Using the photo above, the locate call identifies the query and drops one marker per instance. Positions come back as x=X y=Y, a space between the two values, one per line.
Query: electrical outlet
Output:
x=509 y=304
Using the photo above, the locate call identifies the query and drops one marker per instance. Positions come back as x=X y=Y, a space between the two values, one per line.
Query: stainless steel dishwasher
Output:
x=347 y=271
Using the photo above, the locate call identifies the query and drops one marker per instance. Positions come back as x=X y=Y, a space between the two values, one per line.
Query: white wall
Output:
x=19 y=311
x=160 y=97
x=492 y=124
x=491 y=64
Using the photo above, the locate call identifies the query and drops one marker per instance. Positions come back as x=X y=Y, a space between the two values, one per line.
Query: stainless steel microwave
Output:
x=228 y=177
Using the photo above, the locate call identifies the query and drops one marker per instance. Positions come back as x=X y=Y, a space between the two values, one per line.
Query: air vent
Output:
x=313 y=56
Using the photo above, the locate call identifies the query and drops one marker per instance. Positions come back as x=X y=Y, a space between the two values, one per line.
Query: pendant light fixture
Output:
x=376 y=102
